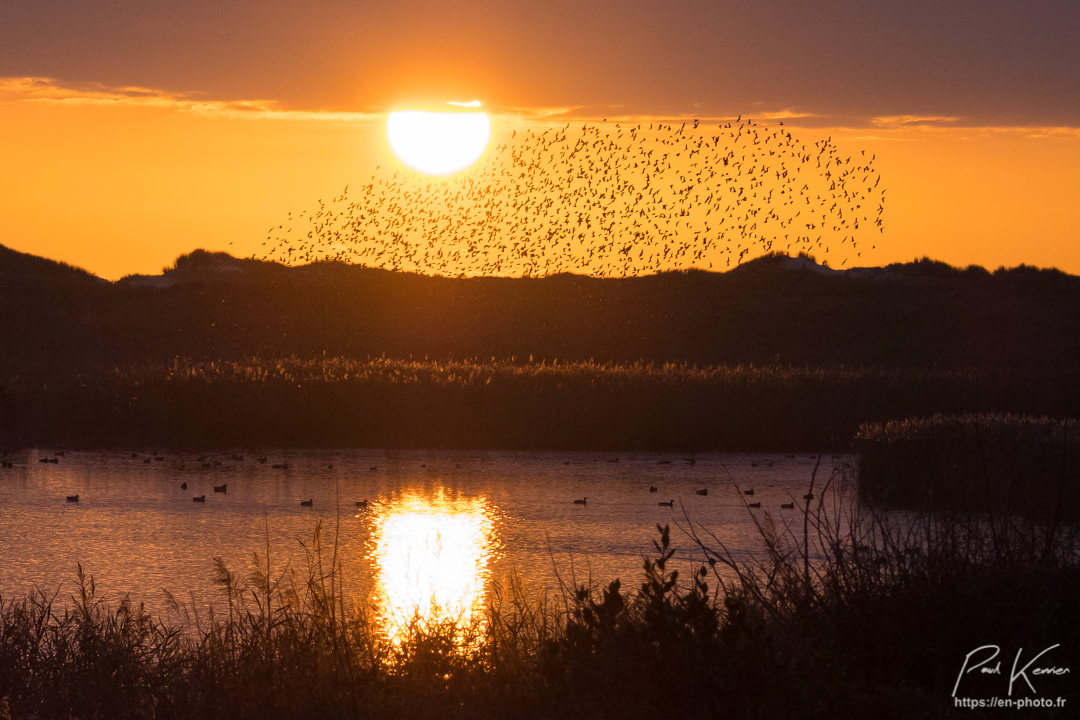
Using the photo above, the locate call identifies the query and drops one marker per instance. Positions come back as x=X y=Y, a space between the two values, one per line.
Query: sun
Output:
x=439 y=142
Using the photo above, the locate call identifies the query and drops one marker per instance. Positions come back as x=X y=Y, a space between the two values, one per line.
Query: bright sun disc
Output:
x=438 y=143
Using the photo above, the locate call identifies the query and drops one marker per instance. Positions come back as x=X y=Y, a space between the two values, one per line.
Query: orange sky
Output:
x=121 y=181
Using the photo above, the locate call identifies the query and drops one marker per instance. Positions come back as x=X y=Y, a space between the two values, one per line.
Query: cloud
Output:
x=48 y=90
x=886 y=127
x=912 y=120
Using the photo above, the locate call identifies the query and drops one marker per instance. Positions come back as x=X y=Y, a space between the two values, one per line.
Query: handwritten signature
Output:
x=989 y=653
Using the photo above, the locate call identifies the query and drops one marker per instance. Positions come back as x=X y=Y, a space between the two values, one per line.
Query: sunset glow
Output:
x=121 y=164
x=435 y=360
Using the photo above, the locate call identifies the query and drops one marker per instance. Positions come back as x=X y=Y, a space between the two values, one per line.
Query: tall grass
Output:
x=844 y=613
x=491 y=404
x=986 y=462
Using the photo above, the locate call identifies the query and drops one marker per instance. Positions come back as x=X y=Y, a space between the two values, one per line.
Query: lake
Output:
x=438 y=525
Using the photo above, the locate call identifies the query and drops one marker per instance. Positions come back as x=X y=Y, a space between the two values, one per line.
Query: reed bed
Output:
x=492 y=404
x=857 y=614
x=985 y=462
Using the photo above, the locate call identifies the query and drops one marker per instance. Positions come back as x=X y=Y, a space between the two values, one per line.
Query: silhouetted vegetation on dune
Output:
x=213 y=307
x=777 y=353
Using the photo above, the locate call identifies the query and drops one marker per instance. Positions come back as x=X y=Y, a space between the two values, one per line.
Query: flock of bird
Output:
x=362 y=505
x=204 y=463
x=604 y=199
x=705 y=491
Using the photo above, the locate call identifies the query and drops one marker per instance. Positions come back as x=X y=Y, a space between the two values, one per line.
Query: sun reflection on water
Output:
x=432 y=555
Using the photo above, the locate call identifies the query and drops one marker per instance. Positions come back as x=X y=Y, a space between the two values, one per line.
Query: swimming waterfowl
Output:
x=307 y=503
x=703 y=491
x=221 y=488
x=754 y=505
x=73 y=498
x=200 y=498
x=788 y=506
x=669 y=503
x=652 y=488
x=748 y=492
x=581 y=501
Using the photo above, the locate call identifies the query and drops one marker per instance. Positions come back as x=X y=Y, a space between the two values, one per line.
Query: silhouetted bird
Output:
x=581 y=501
x=669 y=503
x=73 y=498
x=603 y=200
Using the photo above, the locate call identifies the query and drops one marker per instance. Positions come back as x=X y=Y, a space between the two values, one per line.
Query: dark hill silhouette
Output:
x=774 y=309
x=18 y=267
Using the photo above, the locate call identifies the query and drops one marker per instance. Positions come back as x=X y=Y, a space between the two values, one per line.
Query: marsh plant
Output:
x=994 y=463
x=494 y=403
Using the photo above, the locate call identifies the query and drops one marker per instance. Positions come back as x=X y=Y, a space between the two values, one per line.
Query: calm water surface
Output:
x=438 y=525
